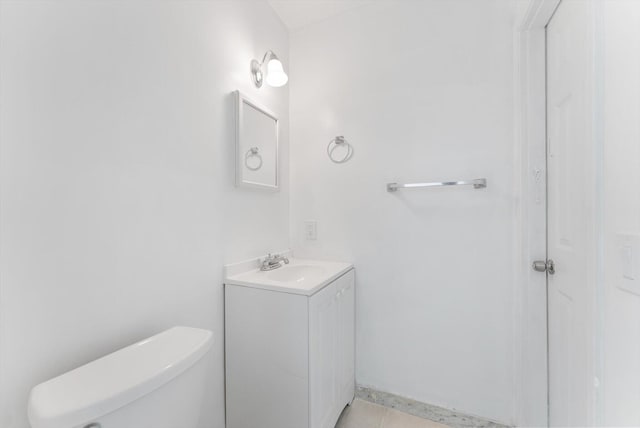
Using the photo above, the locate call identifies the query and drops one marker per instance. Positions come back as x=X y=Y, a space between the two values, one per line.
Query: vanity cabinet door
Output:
x=346 y=339
x=323 y=356
x=331 y=358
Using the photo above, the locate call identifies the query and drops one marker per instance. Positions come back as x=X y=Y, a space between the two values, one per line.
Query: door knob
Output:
x=544 y=266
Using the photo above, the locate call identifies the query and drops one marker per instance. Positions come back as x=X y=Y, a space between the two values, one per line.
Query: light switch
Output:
x=628 y=262
x=311 y=230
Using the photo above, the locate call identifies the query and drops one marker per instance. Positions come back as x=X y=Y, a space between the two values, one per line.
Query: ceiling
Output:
x=299 y=13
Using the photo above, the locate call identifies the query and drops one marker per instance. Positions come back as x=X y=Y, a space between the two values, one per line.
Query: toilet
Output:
x=155 y=383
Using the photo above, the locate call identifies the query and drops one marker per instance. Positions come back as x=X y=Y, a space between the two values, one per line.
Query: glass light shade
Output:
x=276 y=76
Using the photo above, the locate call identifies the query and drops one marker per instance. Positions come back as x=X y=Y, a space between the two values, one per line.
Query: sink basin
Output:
x=300 y=276
x=295 y=273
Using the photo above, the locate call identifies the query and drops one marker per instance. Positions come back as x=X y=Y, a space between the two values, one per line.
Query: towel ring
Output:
x=336 y=142
x=253 y=152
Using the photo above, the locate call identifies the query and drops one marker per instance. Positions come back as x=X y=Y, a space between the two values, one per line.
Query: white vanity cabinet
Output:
x=289 y=353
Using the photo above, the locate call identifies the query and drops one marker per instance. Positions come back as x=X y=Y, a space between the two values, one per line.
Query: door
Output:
x=570 y=215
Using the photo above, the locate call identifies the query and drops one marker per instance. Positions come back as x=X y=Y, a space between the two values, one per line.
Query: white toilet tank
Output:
x=155 y=383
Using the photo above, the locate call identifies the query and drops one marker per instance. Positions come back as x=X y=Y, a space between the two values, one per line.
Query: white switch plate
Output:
x=628 y=249
x=311 y=230
x=626 y=256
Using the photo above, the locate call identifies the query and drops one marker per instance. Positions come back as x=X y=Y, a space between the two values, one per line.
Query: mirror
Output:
x=256 y=145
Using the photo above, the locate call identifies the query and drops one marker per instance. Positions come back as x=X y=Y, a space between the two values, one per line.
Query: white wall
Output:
x=424 y=91
x=621 y=318
x=117 y=203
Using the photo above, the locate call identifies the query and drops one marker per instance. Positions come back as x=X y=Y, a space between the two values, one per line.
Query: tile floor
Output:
x=362 y=414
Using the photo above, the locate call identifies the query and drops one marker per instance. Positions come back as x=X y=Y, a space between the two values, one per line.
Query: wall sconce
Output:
x=276 y=76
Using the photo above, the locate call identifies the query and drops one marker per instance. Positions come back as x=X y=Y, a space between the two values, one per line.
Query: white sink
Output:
x=296 y=273
x=298 y=277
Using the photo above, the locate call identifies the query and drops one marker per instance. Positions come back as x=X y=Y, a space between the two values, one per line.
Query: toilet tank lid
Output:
x=104 y=385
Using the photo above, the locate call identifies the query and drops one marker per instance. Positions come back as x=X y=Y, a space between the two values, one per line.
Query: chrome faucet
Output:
x=272 y=262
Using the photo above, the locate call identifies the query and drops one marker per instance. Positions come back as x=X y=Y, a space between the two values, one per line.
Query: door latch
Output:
x=544 y=266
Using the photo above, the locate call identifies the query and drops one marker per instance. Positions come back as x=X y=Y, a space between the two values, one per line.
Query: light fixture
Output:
x=276 y=76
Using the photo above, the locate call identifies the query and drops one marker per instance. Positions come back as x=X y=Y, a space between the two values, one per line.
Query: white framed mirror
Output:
x=256 y=145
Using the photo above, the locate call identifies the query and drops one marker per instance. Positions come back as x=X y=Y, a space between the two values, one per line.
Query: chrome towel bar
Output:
x=478 y=183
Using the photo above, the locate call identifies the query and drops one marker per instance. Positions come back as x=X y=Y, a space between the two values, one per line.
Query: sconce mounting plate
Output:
x=256 y=73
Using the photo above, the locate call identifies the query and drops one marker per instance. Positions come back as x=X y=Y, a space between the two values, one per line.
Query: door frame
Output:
x=531 y=134
x=531 y=294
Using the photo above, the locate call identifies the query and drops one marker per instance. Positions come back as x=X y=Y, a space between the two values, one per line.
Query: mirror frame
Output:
x=242 y=99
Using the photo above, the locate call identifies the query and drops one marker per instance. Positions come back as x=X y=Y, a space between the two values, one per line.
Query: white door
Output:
x=571 y=237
